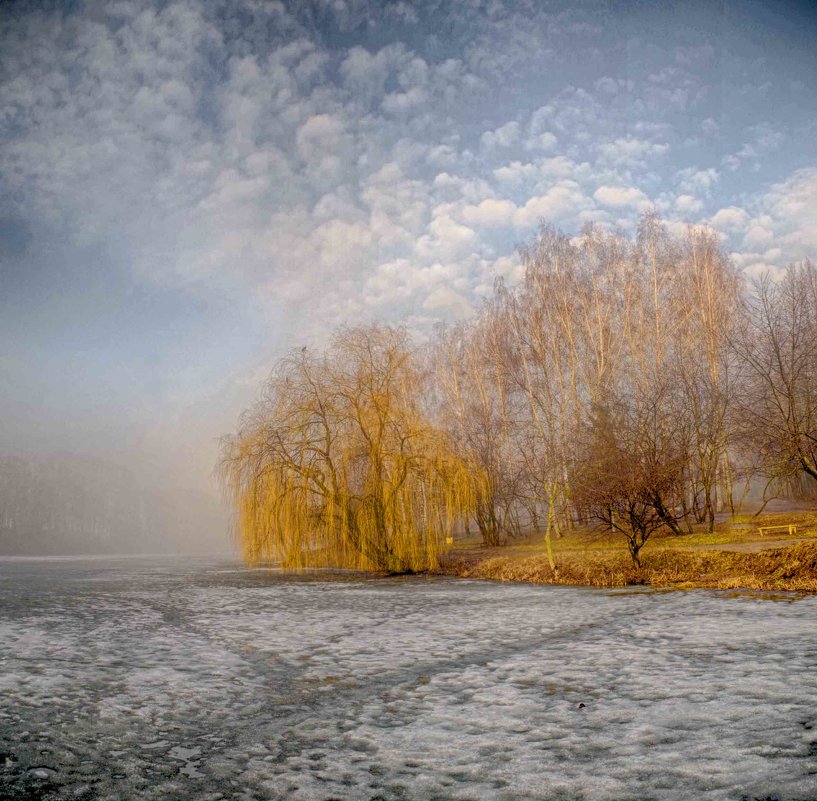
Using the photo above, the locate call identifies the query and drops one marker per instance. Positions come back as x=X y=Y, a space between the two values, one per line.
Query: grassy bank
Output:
x=734 y=556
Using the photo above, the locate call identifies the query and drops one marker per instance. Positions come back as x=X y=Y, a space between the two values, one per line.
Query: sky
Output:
x=189 y=189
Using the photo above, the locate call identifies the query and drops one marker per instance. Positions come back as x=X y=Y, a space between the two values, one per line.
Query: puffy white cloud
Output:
x=366 y=73
x=762 y=139
x=564 y=199
x=445 y=298
x=404 y=102
x=789 y=210
x=542 y=141
x=509 y=268
x=630 y=151
x=687 y=204
x=490 y=212
x=504 y=136
x=446 y=238
x=318 y=136
x=779 y=226
x=516 y=173
x=758 y=236
x=621 y=197
x=343 y=245
x=544 y=172
x=613 y=86
x=231 y=189
x=693 y=180
x=729 y=218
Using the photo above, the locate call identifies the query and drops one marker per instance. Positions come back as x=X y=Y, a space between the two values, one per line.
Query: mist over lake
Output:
x=138 y=678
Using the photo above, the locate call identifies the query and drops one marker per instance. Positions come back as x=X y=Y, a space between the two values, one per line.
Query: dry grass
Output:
x=590 y=559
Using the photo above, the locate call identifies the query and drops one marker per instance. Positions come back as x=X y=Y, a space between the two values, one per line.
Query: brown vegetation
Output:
x=586 y=559
x=793 y=568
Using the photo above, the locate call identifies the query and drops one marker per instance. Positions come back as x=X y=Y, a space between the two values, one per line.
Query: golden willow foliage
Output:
x=338 y=466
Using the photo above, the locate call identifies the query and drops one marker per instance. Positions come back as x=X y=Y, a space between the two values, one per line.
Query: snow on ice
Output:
x=154 y=680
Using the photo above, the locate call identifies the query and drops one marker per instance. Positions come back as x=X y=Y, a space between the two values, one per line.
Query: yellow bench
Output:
x=790 y=528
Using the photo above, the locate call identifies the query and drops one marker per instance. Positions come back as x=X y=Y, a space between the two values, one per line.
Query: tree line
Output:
x=635 y=383
x=66 y=503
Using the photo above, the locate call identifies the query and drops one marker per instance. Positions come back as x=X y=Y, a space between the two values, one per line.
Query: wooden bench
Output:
x=789 y=527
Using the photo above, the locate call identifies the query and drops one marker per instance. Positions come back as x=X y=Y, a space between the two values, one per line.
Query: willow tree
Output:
x=338 y=465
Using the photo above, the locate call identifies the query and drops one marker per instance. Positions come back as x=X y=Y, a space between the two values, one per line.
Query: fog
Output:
x=64 y=503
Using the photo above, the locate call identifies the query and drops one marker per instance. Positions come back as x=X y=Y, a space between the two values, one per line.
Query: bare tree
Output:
x=543 y=369
x=706 y=303
x=474 y=409
x=630 y=471
x=602 y=316
x=778 y=349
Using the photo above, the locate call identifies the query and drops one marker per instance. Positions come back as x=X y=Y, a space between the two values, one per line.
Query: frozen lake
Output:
x=151 y=679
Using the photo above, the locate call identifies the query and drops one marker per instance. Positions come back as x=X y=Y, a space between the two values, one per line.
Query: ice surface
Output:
x=164 y=679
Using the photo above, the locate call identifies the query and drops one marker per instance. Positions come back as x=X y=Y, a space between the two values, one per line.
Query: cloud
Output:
x=778 y=226
x=404 y=102
x=564 y=199
x=491 y=212
x=504 y=136
x=693 y=180
x=630 y=151
x=730 y=218
x=516 y=173
x=445 y=298
x=366 y=73
x=542 y=141
x=246 y=147
x=789 y=210
x=613 y=86
x=762 y=139
x=318 y=136
x=687 y=204
x=759 y=234
x=621 y=197
x=446 y=238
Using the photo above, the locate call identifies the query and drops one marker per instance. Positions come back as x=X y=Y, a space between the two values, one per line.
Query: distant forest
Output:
x=69 y=504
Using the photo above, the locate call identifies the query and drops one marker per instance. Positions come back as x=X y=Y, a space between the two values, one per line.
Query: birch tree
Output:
x=778 y=348
x=707 y=304
x=469 y=364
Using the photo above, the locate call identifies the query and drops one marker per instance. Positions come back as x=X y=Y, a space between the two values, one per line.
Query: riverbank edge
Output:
x=789 y=569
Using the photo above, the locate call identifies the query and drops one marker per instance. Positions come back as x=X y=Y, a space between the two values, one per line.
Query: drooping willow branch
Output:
x=337 y=465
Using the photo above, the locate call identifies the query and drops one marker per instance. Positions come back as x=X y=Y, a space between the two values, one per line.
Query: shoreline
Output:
x=792 y=568
x=732 y=563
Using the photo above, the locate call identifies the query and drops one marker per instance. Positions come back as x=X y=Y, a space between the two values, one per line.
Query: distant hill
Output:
x=69 y=504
